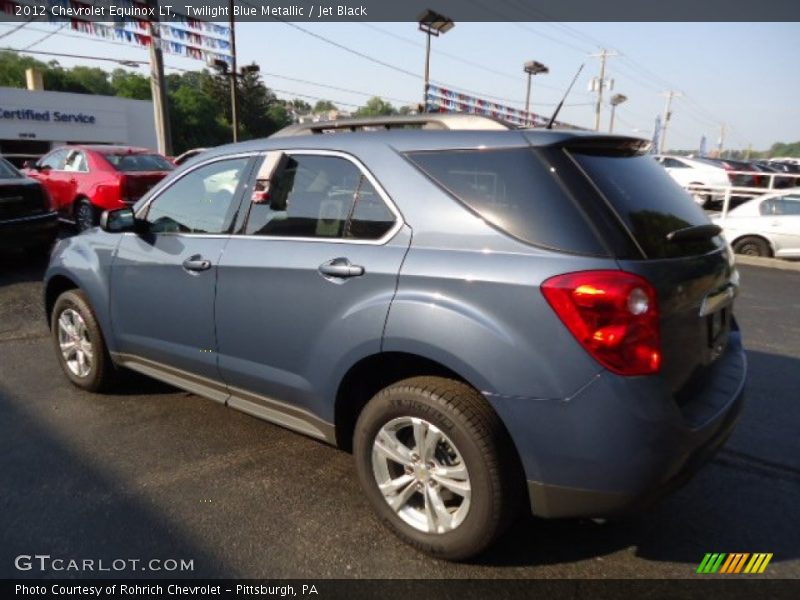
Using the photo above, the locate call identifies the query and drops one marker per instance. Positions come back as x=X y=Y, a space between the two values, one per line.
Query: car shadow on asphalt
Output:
x=744 y=500
x=56 y=503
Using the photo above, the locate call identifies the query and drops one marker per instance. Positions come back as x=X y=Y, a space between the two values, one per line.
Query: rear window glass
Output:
x=139 y=162
x=649 y=202
x=515 y=190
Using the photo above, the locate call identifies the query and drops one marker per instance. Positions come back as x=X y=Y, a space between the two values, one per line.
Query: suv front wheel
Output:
x=79 y=343
x=437 y=466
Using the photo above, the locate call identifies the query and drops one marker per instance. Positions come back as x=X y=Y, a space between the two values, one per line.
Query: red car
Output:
x=83 y=181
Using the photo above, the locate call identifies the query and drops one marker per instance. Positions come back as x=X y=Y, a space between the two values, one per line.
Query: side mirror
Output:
x=118 y=220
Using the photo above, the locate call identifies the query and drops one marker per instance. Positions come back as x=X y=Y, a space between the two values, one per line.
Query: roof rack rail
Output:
x=453 y=121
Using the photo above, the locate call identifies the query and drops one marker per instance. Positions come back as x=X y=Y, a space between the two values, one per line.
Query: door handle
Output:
x=196 y=263
x=341 y=267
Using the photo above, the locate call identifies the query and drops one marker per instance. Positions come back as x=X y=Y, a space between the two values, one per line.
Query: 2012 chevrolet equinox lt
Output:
x=489 y=318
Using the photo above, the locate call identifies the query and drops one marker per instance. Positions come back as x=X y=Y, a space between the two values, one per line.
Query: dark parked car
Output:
x=27 y=219
x=489 y=318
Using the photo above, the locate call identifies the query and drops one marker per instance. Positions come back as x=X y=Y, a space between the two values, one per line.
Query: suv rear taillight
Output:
x=614 y=316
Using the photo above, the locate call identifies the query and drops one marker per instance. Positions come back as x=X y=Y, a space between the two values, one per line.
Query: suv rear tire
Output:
x=79 y=343
x=441 y=436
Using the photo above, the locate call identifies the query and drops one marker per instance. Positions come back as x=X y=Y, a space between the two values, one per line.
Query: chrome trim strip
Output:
x=399 y=220
x=714 y=302
x=262 y=407
x=39 y=217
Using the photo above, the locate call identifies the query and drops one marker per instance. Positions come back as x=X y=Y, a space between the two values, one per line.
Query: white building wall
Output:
x=116 y=120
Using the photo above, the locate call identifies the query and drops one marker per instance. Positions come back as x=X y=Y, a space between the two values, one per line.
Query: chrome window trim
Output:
x=387 y=200
x=398 y=225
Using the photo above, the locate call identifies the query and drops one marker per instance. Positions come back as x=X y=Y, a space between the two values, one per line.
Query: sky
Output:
x=740 y=74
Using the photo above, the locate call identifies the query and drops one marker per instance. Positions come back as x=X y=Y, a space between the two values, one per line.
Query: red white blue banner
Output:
x=439 y=99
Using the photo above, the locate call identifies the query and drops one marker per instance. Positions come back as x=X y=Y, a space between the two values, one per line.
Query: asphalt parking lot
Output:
x=152 y=472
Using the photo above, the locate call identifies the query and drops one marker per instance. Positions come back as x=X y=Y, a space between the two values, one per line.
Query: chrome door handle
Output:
x=341 y=267
x=196 y=263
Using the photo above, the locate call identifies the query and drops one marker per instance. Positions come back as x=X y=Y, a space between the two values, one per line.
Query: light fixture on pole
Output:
x=432 y=24
x=223 y=67
x=615 y=101
x=532 y=68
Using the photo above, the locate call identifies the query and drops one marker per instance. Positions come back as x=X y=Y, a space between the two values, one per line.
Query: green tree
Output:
x=130 y=85
x=375 y=107
x=324 y=106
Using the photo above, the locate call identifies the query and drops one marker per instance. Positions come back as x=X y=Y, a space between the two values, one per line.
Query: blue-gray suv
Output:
x=489 y=318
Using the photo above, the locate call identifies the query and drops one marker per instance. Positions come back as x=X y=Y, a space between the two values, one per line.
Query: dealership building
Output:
x=32 y=121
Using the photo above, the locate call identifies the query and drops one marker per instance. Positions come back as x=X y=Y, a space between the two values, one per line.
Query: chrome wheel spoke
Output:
x=391 y=487
x=392 y=448
x=439 y=518
x=460 y=487
x=68 y=348
x=399 y=500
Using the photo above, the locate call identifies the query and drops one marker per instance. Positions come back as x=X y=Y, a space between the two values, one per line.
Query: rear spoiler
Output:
x=606 y=145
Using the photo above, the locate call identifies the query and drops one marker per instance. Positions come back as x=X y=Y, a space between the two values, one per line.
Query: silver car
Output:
x=765 y=226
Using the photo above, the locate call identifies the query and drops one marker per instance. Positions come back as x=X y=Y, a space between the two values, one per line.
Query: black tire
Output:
x=85 y=215
x=463 y=415
x=102 y=373
x=752 y=246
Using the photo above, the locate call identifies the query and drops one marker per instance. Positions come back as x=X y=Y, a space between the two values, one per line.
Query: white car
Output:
x=697 y=173
x=765 y=226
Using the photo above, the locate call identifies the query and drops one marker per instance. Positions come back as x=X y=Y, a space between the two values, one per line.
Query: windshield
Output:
x=7 y=170
x=139 y=162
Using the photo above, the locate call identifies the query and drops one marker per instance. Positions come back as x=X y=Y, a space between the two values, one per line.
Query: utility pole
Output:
x=667 y=116
x=600 y=83
x=158 y=88
x=723 y=129
x=234 y=78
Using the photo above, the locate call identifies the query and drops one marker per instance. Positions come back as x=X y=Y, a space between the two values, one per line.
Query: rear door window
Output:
x=649 y=202
x=315 y=196
x=516 y=190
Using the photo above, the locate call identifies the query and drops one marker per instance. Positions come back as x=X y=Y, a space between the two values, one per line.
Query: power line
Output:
x=17 y=28
x=47 y=36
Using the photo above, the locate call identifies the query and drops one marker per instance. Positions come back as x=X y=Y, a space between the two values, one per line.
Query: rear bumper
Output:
x=24 y=232
x=620 y=444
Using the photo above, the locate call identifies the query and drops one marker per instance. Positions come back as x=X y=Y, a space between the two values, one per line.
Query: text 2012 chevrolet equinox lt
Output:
x=489 y=318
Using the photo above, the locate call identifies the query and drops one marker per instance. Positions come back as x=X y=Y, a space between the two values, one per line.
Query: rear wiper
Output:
x=695 y=232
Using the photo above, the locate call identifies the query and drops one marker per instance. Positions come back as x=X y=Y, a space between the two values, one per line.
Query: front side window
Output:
x=311 y=196
x=202 y=201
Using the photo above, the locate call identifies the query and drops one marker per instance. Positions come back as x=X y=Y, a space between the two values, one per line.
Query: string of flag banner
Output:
x=439 y=99
x=181 y=35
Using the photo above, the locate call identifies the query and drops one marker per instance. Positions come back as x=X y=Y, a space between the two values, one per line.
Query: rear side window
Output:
x=139 y=162
x=517 y=191
x=649 y=202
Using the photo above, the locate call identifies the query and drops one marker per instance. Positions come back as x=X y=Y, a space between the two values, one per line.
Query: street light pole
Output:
x=427 y=70
x=532 y=68
x=234 y=82
x=616 y=100
x=431 y=23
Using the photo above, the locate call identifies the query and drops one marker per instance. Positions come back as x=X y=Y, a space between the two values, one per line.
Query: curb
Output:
x=772 y=263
